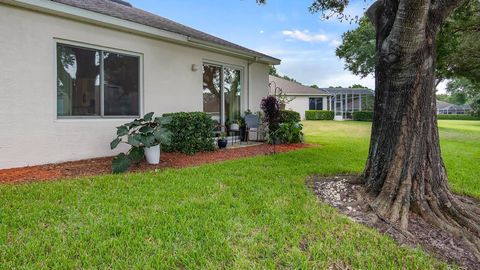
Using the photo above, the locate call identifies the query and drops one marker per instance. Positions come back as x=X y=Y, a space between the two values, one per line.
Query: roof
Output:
x=362 y=91
x=294 y=88
x=442 y=105
x=123 y=10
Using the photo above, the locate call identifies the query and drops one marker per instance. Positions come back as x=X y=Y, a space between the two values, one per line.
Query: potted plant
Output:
x=235 y=125
x=144 y=136
x=222 y=141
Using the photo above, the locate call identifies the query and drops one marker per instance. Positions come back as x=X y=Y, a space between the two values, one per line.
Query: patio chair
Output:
x=252 y=122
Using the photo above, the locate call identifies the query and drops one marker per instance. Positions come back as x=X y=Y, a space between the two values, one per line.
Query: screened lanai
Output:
x=345 y=101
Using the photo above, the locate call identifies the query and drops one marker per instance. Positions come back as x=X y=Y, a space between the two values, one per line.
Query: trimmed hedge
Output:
x=363 y=116
x=457 y=117
x=192 y=132
x=319 y=115
x=288 y=116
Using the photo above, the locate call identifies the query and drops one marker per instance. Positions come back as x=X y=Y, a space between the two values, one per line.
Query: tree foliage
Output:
x=461 y=91
x=458 y=49
x=457 y=44
x=358 y=49
x=272 y=70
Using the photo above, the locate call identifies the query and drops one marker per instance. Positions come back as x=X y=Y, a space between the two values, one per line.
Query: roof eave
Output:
x=256 y=57
x=83 y=15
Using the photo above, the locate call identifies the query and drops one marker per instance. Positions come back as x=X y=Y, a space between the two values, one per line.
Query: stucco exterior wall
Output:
x=301 y=104
x=31 y=134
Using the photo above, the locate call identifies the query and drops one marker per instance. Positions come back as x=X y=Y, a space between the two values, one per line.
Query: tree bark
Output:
x=405 y=171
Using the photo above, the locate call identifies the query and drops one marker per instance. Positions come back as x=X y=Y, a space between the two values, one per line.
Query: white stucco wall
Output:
x=300 y=104
x=31 y=134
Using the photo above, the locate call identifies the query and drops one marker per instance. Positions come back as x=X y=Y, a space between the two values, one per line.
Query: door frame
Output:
x=222 y=88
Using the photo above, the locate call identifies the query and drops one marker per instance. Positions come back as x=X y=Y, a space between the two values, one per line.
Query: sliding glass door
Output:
x=222 y=92
x=212 y=88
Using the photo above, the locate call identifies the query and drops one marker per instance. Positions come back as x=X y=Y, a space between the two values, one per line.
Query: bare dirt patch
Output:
x=348 y=197
x=101 y=166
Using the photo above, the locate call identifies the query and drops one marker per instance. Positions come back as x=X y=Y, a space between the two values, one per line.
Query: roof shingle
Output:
x=122 y=10
x=294 y=88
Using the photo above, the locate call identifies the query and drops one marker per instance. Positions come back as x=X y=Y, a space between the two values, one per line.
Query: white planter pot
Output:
x=152 y=154
x=234 y=127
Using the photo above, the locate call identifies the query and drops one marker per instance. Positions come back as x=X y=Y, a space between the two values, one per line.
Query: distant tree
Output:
x=314 y=86
x=475 y=104
x=289 y=79
x=457 y=98
x=464 y=87
x=272 y=70
x=357 y=86
x=461 y=91
x=443 y=97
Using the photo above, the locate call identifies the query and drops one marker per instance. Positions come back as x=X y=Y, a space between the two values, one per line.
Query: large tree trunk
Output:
x=405 y=171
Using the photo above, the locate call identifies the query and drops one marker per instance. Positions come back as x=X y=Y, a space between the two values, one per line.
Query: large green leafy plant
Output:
x=290 y=132
x=145 y=132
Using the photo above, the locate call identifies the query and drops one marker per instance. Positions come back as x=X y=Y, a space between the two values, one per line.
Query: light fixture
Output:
x=194 y=67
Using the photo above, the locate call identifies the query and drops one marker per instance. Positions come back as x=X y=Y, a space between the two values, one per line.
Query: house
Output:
x=447 y=108
x=300 y=97
x=73 y=70
x=342 y=101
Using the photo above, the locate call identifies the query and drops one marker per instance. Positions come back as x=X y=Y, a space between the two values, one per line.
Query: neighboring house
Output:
x=447 y=108
x=73 y=70
x=345 y=101
x=342 y=101
x=301 y=97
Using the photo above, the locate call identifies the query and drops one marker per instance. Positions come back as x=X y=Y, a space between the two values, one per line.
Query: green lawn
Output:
x=460 y=142
x=244 y=214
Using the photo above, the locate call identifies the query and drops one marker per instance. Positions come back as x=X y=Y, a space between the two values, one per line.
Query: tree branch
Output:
x=441 y=9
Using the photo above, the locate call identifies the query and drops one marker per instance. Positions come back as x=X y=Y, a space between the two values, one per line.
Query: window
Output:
x=97 y=83
x=316 y=104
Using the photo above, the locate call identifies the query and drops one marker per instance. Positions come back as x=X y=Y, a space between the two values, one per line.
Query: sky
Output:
x=284 y=29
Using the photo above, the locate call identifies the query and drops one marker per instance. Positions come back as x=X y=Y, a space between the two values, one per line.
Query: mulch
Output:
x=99 y=166
x=350 y=199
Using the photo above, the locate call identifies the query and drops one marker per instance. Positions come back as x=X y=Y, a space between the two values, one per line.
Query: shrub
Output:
x=457 y=117
x=288 y=116
x=271 y=109
x=140 y=133
x=319 y=115
x=290 y=132
x=192 y=132
x=363 y=116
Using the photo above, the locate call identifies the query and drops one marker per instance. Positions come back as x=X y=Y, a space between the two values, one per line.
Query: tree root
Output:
x=456 y=216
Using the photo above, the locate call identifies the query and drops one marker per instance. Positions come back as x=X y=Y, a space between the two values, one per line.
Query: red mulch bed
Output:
x=100 y=166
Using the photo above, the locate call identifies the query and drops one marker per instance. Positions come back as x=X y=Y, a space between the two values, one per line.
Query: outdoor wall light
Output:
x=194 y=67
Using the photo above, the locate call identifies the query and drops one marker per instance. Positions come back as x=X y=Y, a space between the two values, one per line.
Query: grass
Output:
x=460 y=145
x=252 y=213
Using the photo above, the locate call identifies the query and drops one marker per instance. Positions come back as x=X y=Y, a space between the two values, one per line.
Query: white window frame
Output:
x=316 y=102
x=88 y=46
